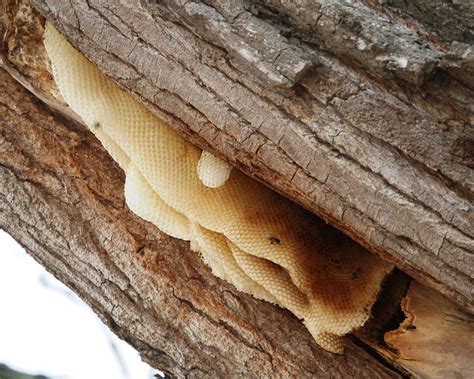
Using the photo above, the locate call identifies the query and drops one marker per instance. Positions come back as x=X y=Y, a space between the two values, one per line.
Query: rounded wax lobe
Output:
x=250 y=236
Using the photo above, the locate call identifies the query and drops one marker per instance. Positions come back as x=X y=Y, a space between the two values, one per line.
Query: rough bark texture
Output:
x=61 y=196
x=383 y=153
x=356 y=111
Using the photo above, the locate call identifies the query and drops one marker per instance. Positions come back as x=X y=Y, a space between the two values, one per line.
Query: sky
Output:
x=46 y=329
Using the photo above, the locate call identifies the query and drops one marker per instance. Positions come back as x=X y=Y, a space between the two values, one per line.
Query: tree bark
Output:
x=61 y=197
x=377 y=149
x=358 y=112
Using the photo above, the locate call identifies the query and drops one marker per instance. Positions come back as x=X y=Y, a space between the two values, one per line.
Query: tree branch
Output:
x=383 y=153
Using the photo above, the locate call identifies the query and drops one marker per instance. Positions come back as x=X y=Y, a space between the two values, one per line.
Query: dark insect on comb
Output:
x=274 y=240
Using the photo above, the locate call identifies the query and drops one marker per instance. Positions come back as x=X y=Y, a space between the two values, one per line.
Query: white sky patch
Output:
x=46 y=329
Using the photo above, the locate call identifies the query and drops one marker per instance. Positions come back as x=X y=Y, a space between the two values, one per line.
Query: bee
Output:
x=357 y=273
x=274 y=240
x=96 y=125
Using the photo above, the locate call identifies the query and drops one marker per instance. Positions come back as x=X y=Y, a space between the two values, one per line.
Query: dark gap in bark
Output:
x=387 y=313
x=379 y=358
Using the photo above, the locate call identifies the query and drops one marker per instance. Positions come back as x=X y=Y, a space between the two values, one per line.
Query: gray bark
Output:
x=383 y=153
x=366 y=124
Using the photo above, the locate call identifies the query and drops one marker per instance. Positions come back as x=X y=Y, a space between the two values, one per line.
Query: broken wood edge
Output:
x=435 y=338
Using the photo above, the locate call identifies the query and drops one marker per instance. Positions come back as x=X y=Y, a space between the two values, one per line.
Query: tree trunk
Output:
x=61 y=196
x=326 y=111
x=355 y=111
